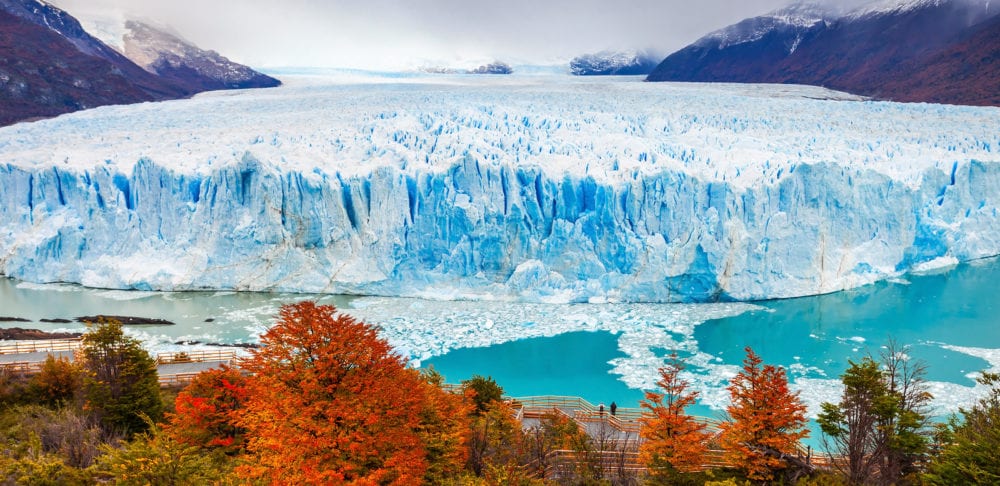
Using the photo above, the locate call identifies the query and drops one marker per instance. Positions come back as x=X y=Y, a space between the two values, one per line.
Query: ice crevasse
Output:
x=524 y=189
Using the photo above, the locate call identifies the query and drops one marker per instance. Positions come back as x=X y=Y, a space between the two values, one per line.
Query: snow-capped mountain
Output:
x=748 y=49
x=861 y=51
x=793 y=21
x=502 y=188
x=174 y=58
x=495 y=67
x=615 y=63
x=49 y=65
x=57 y=20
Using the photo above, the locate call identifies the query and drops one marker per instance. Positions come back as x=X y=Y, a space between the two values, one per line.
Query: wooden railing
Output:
x=29 y=367
x=177 y=379
x=624 y=419
x=39 y=346
x=199 y=356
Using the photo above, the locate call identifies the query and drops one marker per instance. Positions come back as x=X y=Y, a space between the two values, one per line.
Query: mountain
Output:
x=521 y=190
x=966 y=72
x=861 y=51
x=614 y=63
x=50 y=65
x=495 y=67
x=173 y=58
x=748 y=50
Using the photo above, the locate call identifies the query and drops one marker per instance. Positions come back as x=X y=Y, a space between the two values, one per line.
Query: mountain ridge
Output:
x=50 y=65
x=859 y=51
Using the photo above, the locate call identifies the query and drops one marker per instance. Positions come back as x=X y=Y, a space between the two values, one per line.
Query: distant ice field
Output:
x=605 y=128
x=539 y=188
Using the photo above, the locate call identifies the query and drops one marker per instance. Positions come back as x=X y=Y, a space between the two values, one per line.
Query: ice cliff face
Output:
x=554 y=189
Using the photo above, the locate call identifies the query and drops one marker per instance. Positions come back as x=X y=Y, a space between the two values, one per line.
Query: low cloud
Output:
x=400 y=34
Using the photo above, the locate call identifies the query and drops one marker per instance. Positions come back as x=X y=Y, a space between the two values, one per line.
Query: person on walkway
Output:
x=600 y=409
x=614 y=408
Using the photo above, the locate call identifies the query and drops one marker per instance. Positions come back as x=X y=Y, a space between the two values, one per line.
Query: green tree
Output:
x=122 y=384
x=880 y=427
x=850 y=427
x=483 y=391
x=971 y=446
x=906 y=432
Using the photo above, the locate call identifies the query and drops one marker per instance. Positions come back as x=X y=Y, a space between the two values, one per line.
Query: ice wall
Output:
x=493 y=227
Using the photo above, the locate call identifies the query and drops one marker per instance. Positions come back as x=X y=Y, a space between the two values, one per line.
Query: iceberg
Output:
x=521 y=188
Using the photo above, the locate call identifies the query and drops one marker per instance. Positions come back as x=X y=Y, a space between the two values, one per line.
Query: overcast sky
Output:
x=382 y=34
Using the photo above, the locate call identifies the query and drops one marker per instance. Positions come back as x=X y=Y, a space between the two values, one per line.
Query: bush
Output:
x=58 y=383
x=155 y=458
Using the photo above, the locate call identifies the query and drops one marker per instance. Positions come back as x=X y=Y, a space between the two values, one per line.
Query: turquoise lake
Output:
x=605 y=352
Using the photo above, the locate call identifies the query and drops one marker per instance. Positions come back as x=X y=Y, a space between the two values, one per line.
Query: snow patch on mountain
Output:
x=614 y=63
x=798 y=16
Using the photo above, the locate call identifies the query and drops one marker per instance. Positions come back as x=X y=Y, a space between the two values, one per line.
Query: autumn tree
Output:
x=59 y=382
x=329 y=402
x=971 y=446
x=674 y=441
x=497 y=446
x=766 y=420
x=555 y=431
x=206 y=410
x=444 y=429
x=122 y=385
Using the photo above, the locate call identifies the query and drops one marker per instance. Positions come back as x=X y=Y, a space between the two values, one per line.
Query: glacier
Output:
x=527 y=188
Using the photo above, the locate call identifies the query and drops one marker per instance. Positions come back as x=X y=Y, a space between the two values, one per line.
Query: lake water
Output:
x=605 y=352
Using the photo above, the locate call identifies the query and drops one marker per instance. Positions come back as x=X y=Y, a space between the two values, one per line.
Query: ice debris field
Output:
x=530 y=188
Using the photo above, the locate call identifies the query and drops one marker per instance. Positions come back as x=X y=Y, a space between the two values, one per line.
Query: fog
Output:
x=389 y=34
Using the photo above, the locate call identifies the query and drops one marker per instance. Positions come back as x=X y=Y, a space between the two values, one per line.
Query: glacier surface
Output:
x=529 y=188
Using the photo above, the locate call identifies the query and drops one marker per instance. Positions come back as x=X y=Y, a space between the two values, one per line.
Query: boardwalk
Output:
x=175 y=368
x=616 y=437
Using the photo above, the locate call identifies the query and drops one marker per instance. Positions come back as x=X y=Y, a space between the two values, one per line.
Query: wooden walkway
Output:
x=618 y=434
x=173 y=368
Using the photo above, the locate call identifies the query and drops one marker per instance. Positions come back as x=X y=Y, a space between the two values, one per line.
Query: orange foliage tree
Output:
x=444 y=429
x=766 y=420
x=205 y=411
x=674 y=441
x=329 y=402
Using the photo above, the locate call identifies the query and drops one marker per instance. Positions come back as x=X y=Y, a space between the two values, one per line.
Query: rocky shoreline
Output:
x=125 y=320
x=21 y=334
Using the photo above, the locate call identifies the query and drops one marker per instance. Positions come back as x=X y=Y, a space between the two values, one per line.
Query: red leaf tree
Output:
x=674 y=441
x=766 y=420
x=206 y=411
x=329 y=402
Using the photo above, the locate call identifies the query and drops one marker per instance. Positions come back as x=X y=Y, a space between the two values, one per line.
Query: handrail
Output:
x=176 y=379
x=40 y=345
x=196 y=356
x=22 y=366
